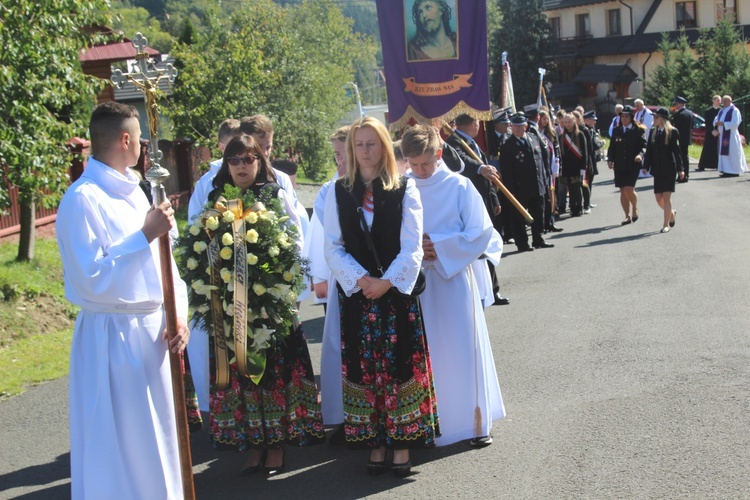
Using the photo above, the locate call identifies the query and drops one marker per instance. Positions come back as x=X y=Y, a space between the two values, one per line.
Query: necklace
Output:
x=367 y=201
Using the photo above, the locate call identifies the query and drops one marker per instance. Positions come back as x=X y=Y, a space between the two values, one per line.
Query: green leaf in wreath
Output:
x=256 y=365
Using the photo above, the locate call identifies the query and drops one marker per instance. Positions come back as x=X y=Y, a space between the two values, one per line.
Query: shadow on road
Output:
x=321 y=471
x=36 y=475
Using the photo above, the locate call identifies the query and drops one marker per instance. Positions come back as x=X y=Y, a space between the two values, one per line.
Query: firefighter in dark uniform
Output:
x=524 y=174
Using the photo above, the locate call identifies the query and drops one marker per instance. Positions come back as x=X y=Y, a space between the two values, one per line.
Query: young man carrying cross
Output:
x=123 y=433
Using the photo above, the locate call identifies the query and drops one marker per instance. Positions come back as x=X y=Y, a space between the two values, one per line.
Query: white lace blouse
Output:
x=403 y=271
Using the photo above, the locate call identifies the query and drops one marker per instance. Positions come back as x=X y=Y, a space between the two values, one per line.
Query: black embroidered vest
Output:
x=386 y=223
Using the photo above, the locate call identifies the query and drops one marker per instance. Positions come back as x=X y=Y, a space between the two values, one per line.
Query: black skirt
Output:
x=625 y=178
x=664 y=184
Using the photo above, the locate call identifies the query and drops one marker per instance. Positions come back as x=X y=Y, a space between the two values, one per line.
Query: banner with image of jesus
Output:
x=435 y=59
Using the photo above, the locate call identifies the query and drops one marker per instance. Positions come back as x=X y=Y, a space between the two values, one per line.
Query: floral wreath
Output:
x=244 y=272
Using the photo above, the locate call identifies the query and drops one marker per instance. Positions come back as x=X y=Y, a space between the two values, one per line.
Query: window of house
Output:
x=583 y=25
x=686 y=15
x=554 y=27
x=614 y=25
x=726 y=9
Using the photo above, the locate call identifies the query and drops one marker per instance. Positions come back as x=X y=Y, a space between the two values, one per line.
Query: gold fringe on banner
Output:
x=459 y=109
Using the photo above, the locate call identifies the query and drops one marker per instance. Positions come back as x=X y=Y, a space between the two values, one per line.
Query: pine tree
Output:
x=524 y=34
x=723 y=63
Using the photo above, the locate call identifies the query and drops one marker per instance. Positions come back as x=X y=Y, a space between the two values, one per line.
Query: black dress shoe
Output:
x=501 y=301
x=554 y=228
x=543 y=244
x=481 y=441
x=525 y=249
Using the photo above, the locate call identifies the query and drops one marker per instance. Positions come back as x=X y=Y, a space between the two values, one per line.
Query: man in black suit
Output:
x=710 y=153
x=524 y=174
x=531 y=112
x=480 y=173
x=497 y=135
x=682 y=119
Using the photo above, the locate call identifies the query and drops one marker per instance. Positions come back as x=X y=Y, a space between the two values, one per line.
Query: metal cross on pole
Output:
x=146 y=76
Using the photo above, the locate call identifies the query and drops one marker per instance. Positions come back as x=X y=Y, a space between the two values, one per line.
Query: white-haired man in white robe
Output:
x=731 y=155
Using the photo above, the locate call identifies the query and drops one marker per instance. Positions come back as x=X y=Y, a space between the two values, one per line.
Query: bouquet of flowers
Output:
x=243 y=272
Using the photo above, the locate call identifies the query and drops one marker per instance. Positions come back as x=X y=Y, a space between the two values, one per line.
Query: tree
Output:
x=44 y=91
x=524 y=34
x=131 y=20
x=723 y=64
x=718 y=63
x=675 y=75
x=290 y=63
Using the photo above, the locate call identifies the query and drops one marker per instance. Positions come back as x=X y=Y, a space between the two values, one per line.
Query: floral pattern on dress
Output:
x=283 y=409
x=195 y=421
x=389 y=393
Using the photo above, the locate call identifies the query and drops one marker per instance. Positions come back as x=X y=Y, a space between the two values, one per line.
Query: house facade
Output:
x=605 y=50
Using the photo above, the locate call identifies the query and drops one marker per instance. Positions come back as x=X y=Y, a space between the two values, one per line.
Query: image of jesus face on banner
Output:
x=431 y=29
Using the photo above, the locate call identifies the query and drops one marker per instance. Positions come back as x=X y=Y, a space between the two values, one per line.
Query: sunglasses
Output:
x=236 y=160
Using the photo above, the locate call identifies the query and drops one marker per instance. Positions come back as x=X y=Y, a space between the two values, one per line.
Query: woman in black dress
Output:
x=625 y=155
x=664 y=160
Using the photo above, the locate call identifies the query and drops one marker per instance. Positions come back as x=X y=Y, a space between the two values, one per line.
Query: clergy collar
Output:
x=441 y=171
x=110 y=179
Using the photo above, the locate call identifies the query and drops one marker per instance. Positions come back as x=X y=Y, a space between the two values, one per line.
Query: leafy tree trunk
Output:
x=28 y=231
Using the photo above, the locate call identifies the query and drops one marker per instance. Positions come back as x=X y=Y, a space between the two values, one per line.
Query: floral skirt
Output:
x=389 y=392
x=195 y=421
x=283 y=409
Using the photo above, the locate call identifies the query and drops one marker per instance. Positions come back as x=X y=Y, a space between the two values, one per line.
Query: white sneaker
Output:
x=587 y=211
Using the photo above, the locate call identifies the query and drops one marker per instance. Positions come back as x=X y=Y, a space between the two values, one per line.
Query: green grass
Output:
x=43 y=274
x=695 y=151
x=33 y=360
x=35 y=319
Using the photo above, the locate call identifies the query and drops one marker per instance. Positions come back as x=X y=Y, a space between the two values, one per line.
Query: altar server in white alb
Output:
x=123 y=434
x=331 y=395
x=457 y=230
x=731 y=156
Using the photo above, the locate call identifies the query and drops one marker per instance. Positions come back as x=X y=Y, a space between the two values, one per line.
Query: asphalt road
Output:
x=623 y=359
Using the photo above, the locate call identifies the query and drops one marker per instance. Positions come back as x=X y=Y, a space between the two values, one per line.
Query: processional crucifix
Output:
x=145 y=76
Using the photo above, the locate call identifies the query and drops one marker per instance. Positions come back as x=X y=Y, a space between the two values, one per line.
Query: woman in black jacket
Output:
x=625 y=155
x=664 y=160
x=573 y=161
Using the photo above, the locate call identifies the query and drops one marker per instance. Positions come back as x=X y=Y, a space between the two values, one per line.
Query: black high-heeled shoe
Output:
x=402 y=470
x=275 y=471
x=252 y=469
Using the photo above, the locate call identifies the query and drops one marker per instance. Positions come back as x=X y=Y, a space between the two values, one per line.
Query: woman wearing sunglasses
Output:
x=283 y=407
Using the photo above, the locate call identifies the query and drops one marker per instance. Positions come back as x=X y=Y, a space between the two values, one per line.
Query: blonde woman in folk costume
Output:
x=389 y=396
